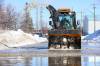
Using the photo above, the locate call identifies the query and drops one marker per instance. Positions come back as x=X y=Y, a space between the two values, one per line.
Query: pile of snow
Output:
x=93 y=36
x=82 y=37
x=19 y=38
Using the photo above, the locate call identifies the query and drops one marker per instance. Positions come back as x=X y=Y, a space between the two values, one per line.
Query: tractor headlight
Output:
x=70 y=13
x=64 y=40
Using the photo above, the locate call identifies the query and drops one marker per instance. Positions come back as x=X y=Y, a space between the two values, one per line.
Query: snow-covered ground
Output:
x=93 y=36
x=18 y=38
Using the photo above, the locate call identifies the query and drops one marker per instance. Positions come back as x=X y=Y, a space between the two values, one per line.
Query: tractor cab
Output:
x=67 y=19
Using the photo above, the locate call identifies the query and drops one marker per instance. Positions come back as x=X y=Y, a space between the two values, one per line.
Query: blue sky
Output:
x=86 y=6
x=75 y=4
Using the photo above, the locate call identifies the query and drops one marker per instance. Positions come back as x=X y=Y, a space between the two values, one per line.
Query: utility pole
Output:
x=94 y=7
x=41 y=18
x=81 y=27
x=37 y=18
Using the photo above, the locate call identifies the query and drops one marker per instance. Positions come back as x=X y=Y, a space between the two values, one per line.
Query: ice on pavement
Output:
x=18 y=38
x=93 y=36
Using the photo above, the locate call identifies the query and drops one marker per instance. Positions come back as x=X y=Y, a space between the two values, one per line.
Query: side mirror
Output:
x=50 y=22
x=78 y=23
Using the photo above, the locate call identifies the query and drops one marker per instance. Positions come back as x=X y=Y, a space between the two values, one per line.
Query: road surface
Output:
x=42 y=50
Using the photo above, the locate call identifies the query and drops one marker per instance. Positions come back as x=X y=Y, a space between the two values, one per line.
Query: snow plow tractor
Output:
x=64 y=33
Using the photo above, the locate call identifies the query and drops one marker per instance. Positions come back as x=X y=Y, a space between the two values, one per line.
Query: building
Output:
x=85 y=25
x=91 y=26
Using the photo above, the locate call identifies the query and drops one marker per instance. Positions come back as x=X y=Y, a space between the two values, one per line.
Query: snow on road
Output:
x=18 y=38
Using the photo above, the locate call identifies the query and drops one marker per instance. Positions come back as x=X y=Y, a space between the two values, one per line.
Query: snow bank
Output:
x=19 y=38
x=39 y=39
x=93 y=36
x=82 y=37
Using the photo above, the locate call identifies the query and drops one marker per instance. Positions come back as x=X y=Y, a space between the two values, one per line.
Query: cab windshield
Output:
x=66 y=21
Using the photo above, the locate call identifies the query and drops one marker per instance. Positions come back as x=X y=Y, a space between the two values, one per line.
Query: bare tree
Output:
x=2 y=15
x=8 y=17
x=26 y=24
x=11 y=18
